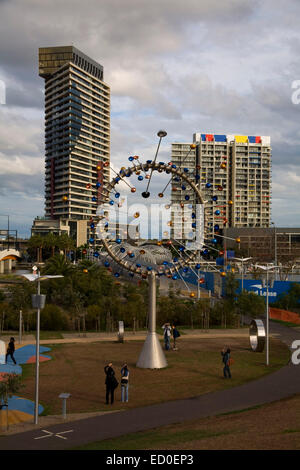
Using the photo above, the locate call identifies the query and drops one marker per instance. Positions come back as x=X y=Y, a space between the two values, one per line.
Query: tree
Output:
x=94 y=316
x=10 y=384
x=58 y=264
x=19 y=298
x=231 y=286
x=53 y=318
x=37 y=242
x=66 y=243
x=291 y=299
x=51 y=241
x=251 y=304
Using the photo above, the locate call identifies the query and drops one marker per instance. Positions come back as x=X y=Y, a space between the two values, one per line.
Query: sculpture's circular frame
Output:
x=257 y=335
x=160 y=167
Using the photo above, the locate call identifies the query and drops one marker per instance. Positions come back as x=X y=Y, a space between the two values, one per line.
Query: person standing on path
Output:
x=176 y=335
x=11 y=350
x=124 y=383
x=167 y=335
x=110 y=382
x=226 y=361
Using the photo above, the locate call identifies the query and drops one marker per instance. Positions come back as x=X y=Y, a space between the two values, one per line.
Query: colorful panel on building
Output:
x=251 y=139
x=242 y=139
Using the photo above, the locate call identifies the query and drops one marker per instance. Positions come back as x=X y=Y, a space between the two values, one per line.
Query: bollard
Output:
x=64 y=397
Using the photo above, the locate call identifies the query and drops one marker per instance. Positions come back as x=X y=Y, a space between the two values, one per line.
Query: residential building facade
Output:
x=77 y=133
x=234 y=174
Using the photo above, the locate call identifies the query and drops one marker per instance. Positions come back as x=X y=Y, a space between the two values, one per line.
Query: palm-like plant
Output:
x=37 y=242
x=51 y=241
x=58 y=265
x=66 y=243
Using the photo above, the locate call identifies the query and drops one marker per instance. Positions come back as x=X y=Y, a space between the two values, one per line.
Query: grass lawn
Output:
x=194 y=369
x=286 y=323
x=269 y=427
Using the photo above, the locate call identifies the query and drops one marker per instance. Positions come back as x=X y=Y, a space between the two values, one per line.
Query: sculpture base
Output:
x=152 y=355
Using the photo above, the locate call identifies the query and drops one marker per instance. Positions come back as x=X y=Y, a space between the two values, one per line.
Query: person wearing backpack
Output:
x=226 y=361
x=110 y=382
x=124 y=383
x=176 y=335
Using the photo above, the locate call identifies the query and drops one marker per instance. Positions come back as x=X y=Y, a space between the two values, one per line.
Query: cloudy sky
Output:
x=184 y=66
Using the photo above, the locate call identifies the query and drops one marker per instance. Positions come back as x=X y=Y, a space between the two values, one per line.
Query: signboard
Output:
x=278 y=288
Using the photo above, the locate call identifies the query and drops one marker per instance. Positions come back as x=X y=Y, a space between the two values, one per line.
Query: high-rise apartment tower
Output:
x=234 y=172
x=77 y=132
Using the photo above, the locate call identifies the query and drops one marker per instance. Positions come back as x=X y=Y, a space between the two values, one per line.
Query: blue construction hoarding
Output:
x=251 y=285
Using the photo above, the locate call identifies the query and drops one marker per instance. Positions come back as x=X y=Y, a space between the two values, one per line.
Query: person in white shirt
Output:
x=167 y=335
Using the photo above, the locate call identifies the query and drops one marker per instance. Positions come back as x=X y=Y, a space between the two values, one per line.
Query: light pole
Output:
x=20 y=327
x=243 y=260
x=275 y=246
x=267 y=269
x=38 y=302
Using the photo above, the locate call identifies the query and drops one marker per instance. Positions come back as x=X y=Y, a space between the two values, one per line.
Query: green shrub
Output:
x=53 y=318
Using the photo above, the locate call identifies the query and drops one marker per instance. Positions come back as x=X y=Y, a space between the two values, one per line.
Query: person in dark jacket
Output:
x=226 y=358
x=110 y=383
x=176 y=335
x=11 y=350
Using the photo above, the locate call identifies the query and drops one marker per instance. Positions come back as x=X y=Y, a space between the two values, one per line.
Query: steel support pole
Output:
x=242 y=276
x=20 y=327
x=152 y=303
x=152 y=355
x=37 y=361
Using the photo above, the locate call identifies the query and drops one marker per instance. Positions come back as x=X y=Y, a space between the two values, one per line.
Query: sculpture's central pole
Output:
x=152 y=355
x=152 y=303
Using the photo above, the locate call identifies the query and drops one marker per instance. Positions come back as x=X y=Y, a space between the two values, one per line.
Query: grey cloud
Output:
x=224 y=67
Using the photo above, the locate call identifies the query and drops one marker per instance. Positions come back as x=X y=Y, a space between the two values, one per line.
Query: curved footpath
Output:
x=281 y=384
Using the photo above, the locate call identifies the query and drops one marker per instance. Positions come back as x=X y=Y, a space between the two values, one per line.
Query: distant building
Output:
x=234 y=176
x=274 y=244
x=76 y=229
x=77 y=133
x=183 y=156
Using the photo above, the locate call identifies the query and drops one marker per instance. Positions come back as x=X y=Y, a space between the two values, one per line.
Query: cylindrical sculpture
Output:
x=257 y=335
x=121 y=332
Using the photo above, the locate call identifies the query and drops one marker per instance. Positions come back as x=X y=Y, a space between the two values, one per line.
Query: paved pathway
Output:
x=281 y=384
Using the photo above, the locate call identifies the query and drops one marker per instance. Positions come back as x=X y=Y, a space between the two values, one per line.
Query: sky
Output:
x=207 y=66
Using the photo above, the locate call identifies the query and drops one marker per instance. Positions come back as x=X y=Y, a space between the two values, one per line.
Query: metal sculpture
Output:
x=257 y=335
x=140 y=258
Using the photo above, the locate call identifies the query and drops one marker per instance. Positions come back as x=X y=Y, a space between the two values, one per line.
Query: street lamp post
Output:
x=38 y=302
x=20 y=327
x=275 y=247
x=37 y=355
x=242 y=260
x=267 y=269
